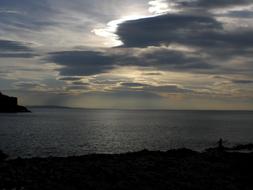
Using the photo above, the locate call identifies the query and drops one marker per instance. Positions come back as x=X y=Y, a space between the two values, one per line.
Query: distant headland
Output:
x=10 y=105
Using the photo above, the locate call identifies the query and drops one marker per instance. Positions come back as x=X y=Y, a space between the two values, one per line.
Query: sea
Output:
x=71 y=132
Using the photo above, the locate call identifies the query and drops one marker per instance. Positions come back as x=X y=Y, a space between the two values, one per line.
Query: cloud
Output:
x=70 y=78
x=201 y=5
x=78 y=88
x=172 y=49
x=215 y=47
x=106 y=80
x=133 y=84
x=234 y=80
x=25 y=14
x=207 y=4
x=87 y=63
x=240 y=14
x=169 y=89
x=191 y=30
x=129 y=94
x=242 y=81
x=153 y=74
x=80 y=83
x=30 y=86
x=15 y=49
x=166 y=59
x=167 y=29
x=63 y=23
x=82 y=63
x=10 y=46
x=17 y=55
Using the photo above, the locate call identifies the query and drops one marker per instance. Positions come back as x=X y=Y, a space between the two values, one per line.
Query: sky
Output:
x=145 y=54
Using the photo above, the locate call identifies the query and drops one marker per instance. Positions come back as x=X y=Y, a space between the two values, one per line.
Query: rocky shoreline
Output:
x=181 y=169
x=10 y=105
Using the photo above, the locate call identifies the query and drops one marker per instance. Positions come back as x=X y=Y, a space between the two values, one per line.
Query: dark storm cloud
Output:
x=80 y=83
x=15 y=49
x=127 y=84
x=9 y=46
x=213 y=46
x=242 y=81
x=165 y=59
x=153 y=74
x=166 y=29
x=86 y=63
x=70 y=78
x=213 y=3
x=198 y=31
x=82 y=63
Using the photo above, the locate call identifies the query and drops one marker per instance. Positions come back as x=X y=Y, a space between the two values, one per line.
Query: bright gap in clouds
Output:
x=111 y=28
x=156 y=7
x=161 y=6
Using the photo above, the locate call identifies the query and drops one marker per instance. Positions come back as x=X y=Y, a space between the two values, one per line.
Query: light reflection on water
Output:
x=64 y=132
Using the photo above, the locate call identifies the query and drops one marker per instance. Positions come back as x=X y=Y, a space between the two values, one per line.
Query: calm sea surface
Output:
x=64 y=132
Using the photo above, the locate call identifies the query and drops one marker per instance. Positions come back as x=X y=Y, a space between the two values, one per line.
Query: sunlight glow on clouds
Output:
x=156 y=7
x=161 y=6
x=93 y=53
x=111 y=28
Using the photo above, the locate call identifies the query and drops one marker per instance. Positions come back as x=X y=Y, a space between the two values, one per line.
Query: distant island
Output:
x=10 y=105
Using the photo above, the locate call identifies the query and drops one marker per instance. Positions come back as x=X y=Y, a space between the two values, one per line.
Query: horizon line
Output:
x=131 y=109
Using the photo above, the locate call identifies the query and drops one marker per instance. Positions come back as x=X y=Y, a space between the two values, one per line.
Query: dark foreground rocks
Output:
x=175 y=169
x=3 y=156
x=10 y=105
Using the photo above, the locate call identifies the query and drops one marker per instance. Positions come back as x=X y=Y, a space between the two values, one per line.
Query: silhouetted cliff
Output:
x=10 y=105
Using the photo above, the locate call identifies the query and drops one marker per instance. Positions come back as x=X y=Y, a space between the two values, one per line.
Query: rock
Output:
x=2 y=156
x=10 y=105
x=181 y=169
